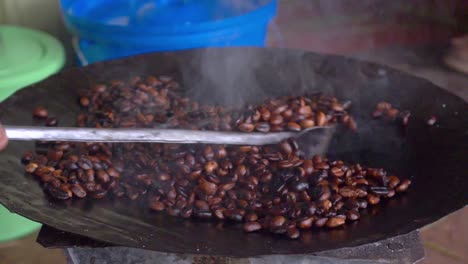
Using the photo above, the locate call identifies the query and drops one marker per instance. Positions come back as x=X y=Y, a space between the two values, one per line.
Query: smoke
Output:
x=219 y=76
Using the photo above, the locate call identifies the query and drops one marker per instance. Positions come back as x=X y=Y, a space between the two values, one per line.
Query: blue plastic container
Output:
x=107 y=29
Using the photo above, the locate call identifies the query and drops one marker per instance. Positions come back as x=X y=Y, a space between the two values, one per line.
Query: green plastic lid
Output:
x=26 y=57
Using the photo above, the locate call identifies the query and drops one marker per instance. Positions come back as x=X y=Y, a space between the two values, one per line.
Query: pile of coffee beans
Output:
x=270 y=188
x=156 y=102
x=391 y=113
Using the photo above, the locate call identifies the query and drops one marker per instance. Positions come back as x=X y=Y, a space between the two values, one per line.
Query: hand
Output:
x=3 y=138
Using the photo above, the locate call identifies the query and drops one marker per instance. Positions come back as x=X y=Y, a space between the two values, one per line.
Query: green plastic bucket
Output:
x=26 y=57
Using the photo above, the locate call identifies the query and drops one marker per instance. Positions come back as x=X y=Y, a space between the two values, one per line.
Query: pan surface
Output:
x=434 y=157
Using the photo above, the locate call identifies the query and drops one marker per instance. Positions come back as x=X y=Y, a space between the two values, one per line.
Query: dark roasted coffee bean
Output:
x=393 y=182
x=353 y=215
x=51 y=122
x=293 y=233
x=293 y=126
x=373 y=199
x=321 y=119
x=252 y=226
x=40 y=112
x=276 y=120
x=262 y=127
x=379 y=190
x=99 y=194
x=306 y=223
x=277 y=221
x=78 y=191
x=211 y=166
x=348 y=192
x=103 y=176
x=251 y=217
x=245 y=127
x=403 y=186
x=431 y=120
x=157 y=205
x=320 y=222
x=336 y=221
x=203 y=214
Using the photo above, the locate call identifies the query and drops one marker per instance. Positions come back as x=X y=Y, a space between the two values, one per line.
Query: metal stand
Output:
x=402 y=249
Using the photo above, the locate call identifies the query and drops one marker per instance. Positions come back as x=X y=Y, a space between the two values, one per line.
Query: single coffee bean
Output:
x=262 y=127
x=336 y=221
x=277 y=221
x=393 y=182
x=320 y=222
x=373 y=199
x=403 y=186
x=306 y=223
x=78 y=191
x=379 y=190
x=245 y=127
x=321 y=119
x=293 y=126
x=293 y=233
x=40 y=112
x=51 y=122
x=353 y=215
x=252 y=226
x=84 y=101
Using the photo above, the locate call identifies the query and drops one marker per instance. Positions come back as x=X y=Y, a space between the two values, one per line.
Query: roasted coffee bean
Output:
x=336 y=221
x=277 y=221
x=321 y=119
x=373 y=199
x=103 y=176
x=383 y=106
x=78 y=191
x=51 y=122
x=293 y=126
x=176 y=212
x=293 y=233
x=235 y=214
x=211 y=166
x=362 y=203
x=431 y=120
x=58 y=193
x=118 y=191
x=262 y=127
x=203 y=214
x=393 y=182
x=157 y=206
x=98 y=194
x=40 y=112
x=276 y=120
x=208 y=187
x=31 y=167
x=245 y=127
x=347 y=192
x=403 y=186
x=252 y=226
x=27 y=157
x=113 y=173
x=390 y=193
x=320 y=222
x=379 y=190
x=353 y=215
x=219 y=214
x=251 y=217
x=306 y=223
x=307 y=123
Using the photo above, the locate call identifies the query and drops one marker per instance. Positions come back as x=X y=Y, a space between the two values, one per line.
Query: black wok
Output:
x=435 y=158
